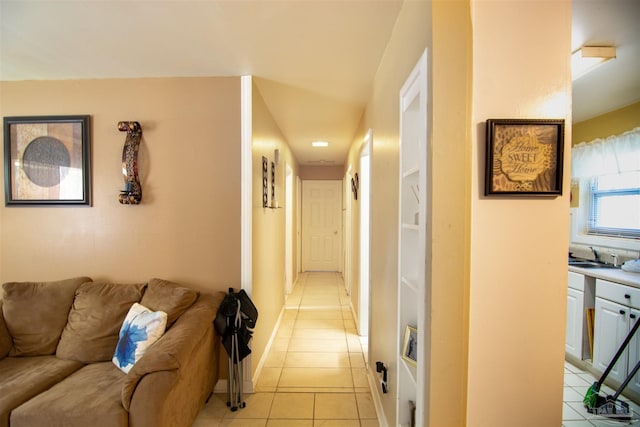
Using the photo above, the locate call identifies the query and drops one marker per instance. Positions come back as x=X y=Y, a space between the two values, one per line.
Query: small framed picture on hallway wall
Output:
x=524 y=157
x=410 y=346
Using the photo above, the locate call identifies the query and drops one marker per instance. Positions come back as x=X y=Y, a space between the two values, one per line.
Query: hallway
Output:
x=315 y=373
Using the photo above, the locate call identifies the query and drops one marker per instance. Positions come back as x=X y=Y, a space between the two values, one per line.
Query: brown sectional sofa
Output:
x=57 y=340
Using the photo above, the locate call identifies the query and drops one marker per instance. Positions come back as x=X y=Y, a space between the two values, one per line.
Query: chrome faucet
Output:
x=615 y=259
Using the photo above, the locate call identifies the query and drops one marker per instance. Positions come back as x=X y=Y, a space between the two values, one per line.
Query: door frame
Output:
x=298 y=225
x=348 y=232
x=364 y=183
x=246 y=203
x=288 y=230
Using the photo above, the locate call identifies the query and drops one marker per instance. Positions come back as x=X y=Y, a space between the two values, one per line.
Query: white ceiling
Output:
x=314 y=61
x=616 y=83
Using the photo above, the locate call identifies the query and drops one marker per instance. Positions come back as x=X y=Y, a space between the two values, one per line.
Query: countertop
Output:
x=613 y=274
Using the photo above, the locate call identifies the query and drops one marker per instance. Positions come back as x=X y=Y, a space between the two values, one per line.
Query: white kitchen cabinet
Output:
x=573 y=342
x=611 y=327
x=616 y=312
x=580 y=297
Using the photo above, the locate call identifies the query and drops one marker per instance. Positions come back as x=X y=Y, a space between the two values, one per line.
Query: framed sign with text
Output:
x=524 y=157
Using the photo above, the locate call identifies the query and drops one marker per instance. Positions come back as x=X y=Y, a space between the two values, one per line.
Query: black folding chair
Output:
x=235 y=321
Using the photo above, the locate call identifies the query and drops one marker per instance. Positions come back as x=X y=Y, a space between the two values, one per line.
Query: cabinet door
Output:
x=634 y=351
x=611 y=328
x=573 y=342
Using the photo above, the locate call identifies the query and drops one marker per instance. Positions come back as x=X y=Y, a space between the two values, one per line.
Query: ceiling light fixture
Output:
x=319 y=144
x=588 y=58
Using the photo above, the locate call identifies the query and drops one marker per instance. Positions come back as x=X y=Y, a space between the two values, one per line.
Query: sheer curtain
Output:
x=612 y=155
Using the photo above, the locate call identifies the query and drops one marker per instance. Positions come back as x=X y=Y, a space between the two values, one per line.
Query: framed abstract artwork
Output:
x=47 y=160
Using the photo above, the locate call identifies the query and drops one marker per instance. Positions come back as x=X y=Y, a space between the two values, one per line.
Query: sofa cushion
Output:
x=36 y=313
x=21 y=378
x=140 y=329
x=170 y=297
x=89 y=397
x=5 y=338
x=98 y=310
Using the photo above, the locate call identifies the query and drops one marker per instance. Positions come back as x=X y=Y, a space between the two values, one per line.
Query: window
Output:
x=606 y=173
x=615 y=205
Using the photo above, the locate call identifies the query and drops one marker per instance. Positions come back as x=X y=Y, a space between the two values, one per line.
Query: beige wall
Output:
x=321 y=172
x=519 y=246
x=188 y=225
x=187 y=228
x=410 y=36
x=449 y=209
x=613 y=123
x=494 y=316
x=353 y=165
x=491 y=315
x=268 y=250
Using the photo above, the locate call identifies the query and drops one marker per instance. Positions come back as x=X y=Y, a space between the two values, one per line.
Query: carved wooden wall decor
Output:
x=132 y=193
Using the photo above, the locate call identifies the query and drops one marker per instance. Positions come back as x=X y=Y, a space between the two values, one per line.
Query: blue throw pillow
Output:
x=140 y=329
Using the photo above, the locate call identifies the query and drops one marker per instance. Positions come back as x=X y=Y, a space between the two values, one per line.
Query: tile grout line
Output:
x=350 y=353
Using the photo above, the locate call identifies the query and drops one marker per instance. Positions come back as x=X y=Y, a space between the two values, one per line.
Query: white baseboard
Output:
x=375 y=395
x=354 y=314
x=221 y=387
x=267 y=349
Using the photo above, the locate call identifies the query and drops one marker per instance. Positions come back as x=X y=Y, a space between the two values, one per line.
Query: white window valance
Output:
x=612 y=155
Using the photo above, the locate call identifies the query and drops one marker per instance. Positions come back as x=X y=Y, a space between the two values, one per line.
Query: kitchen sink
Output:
x=582 y=263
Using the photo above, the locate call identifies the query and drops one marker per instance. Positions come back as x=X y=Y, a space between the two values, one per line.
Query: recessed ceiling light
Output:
x=320 y=144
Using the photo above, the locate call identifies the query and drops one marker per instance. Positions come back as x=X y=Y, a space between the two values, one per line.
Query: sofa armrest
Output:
x=174 y=349
x=174 y=398
x=5 y=339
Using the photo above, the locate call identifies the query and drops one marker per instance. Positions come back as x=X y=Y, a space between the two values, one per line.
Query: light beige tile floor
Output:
x=314 y=374
x=574 y=414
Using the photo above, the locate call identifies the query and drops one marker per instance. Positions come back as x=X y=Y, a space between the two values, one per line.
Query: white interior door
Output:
x=321 y=225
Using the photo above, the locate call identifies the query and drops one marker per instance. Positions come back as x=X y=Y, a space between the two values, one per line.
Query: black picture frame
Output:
x=410 y=345
x=524 y=157
x=355 y=186
x=265 y=182
x=47 y=160
x=273 y=182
